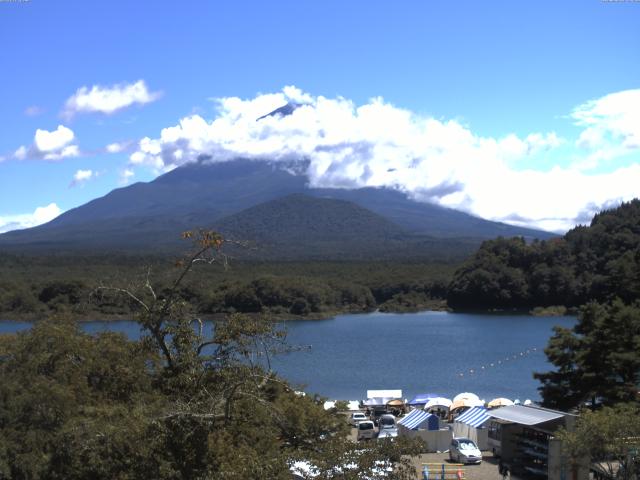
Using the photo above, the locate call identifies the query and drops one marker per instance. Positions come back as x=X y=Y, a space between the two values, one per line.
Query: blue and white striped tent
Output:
x=471 y=425
x=474 y=417
x=420 y=419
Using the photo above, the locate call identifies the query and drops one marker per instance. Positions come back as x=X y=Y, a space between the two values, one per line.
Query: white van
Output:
x=366 y=430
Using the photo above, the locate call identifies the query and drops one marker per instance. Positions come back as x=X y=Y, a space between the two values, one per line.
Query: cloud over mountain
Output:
x=39 y=216
x=341 y=144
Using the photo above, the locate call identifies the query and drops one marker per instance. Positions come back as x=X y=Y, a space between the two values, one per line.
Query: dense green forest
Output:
x=176 y=404
x=32 y=287
x=599 y=262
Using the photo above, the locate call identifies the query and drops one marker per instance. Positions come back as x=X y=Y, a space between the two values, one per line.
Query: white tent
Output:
x=377 y=401
x=437 y=402
x=392 y=394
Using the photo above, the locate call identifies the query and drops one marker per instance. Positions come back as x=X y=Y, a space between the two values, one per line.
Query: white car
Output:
x=464 y=450
x=366 y=430
x=357 y=417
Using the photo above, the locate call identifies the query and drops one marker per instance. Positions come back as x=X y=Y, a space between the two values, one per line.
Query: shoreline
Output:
x=435 y=306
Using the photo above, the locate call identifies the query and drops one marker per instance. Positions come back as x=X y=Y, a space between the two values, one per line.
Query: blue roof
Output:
x=415 y=418
x=474 y=417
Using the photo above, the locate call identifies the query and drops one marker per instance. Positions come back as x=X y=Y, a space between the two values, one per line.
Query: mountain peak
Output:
x=285 y=110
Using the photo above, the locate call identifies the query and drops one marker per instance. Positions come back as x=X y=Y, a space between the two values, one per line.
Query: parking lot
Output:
x=487 y=470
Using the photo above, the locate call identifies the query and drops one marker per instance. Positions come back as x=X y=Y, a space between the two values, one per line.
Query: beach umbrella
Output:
x=528 y=402
x=466 y=402
x=437 y=402
x=499 y=402
x=516 y=402
x=466 y=396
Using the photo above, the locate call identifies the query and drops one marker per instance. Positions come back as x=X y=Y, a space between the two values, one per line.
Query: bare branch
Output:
x=148 y=285
x=126 y=292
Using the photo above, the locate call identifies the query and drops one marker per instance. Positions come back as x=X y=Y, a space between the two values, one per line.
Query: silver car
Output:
x=386 y=421
x=464 y=450
x=357 y=417
x=388 y=433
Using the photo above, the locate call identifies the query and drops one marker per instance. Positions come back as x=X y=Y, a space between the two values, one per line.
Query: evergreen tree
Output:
x=598 y=361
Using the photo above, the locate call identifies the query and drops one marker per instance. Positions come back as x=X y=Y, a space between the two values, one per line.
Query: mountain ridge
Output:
x=148 y=215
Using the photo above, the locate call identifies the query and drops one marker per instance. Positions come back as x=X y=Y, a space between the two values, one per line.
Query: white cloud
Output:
x=119 y=147
x=50 y=145
x=114 y=148
x=82 y=176
x=611 y=126
x=39 y=216
x=46 y=141
x=33 y=111
x=125 y=176
x=377 y=144
x=108 y=99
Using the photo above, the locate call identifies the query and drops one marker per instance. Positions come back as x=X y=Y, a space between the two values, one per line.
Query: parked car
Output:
x=387 y=433
x=464 y=450
x=377 y=413
x=366 y=430
x=356 y=418
x=386 y=421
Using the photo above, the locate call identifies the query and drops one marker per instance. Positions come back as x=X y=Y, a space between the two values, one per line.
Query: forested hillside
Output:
x=33 y=287
x=596 y=262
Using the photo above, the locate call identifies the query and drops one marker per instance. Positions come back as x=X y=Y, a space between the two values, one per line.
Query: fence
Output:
x=443 y=471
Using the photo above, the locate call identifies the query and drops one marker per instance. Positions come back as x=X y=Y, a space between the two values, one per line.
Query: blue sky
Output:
x=524 y=112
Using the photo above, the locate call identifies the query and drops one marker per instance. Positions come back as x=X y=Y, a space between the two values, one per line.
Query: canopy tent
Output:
x=526 y=415
x=419 y=419
x=499 y=402
x=474 y=417
x=422 y=398
x=437 y=402
x=470 y=424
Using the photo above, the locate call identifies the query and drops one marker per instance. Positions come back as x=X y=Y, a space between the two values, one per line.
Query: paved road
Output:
x=487 y=470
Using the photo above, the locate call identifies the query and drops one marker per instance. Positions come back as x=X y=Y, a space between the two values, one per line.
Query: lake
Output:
x=426 y=352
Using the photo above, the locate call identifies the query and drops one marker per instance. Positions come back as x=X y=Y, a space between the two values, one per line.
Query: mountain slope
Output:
x=150 y=215
x=303 y=227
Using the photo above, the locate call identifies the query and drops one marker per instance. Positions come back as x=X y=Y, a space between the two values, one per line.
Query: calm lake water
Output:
x=426 y=352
